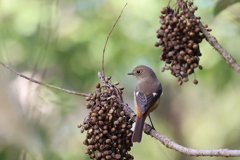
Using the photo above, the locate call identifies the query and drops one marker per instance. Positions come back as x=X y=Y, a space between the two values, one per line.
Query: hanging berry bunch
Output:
x=180 y=36
x=108 y=127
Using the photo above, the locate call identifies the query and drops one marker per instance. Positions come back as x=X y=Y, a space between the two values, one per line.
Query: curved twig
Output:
x=46 y=85
x=105 y=45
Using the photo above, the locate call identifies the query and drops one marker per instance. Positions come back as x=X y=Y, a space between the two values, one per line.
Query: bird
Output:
x=146 y=97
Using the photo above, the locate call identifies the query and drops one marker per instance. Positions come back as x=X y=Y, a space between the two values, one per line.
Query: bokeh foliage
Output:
x=61 y=43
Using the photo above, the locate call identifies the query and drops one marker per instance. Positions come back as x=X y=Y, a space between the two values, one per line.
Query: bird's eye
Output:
x=138 y=72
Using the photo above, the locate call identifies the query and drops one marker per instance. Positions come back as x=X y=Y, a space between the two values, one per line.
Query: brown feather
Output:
x=137 y=134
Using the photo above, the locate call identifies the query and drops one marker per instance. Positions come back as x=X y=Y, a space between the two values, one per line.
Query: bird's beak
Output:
x=130 y=73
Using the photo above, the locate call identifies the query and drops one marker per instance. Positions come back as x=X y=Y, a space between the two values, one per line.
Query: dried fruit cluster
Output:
x=108 y=127
x=180 y=36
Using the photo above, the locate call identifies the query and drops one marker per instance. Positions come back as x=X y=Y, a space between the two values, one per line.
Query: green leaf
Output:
x=223 y=4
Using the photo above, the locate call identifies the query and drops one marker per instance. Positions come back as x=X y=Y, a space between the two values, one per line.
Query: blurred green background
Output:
x=61 y=43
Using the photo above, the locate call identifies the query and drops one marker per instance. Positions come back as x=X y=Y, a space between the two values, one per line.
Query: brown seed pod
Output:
x=98 y=85
x=88 y=105
x=195 y=46
x=163 y=69
x=185 y=79
x=117 y=156
x=108 y=140
x=195 y=8
x=205 y=25
x=209 y=30
x=106 y=123
x=195 y=81
x=121 y=88
x=179 y=39
x=88 y=98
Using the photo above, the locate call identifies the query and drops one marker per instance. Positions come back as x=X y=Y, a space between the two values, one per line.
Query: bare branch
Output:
x=171 y=144
x=190 y=151
x=46 y=85
x=101 y=77
x=147 y=128
x=227 y=57
x=105 y=45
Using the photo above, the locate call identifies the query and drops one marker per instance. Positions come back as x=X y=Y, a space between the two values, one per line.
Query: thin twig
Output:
x=105 y=45
x=46 y=85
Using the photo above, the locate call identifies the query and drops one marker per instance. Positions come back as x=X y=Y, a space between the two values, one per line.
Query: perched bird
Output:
x=146 y=97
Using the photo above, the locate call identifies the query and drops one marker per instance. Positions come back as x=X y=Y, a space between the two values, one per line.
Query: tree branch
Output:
x=171 y=144
x=213 y=42
x=147 y=128
x=190 y=151
x=43 y=84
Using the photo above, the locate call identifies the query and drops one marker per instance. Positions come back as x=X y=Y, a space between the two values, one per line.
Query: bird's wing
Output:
x=145 y=102
x=141 y=100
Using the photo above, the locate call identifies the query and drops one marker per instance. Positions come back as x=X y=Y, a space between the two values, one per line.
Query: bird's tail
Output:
x=137 y=133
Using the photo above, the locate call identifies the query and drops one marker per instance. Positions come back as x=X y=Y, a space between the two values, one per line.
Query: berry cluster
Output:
x=108 y=127
x=180 y=36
